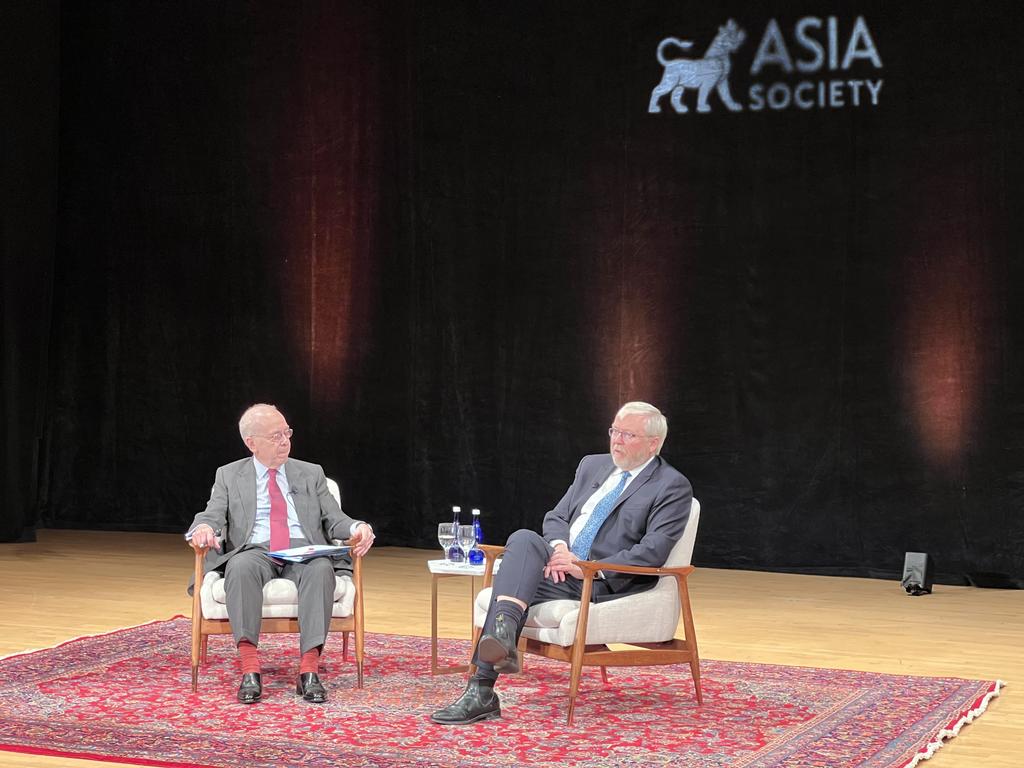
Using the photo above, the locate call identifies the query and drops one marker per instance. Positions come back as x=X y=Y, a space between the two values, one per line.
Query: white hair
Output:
x=247 y=424
x=655 y=423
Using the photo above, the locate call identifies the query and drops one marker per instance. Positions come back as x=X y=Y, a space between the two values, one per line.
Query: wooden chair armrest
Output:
x=357 y=565
x=591 y=567
x=344 y=543
x=198 y=567
x=491 y=551
x=491 y=555
x=201 y=554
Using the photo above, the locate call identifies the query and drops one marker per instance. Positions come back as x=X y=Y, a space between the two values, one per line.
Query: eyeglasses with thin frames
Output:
x=278 y=437
x=627 y=436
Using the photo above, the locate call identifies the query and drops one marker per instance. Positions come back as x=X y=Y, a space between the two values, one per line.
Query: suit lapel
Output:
x=246 y=480
x=603 y=473
x=299 y=481
x=607 y=526
x=642 y=478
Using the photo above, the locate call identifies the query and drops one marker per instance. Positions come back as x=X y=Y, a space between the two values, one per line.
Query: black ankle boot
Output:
x=499 y=647
x=477 y=702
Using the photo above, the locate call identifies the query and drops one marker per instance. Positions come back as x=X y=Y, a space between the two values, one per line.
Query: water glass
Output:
x=446 y=535
x=466 y=539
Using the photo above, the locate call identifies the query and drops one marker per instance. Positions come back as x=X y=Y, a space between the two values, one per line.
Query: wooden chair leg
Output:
x=195 y=655
x=574 y=680
x=579 y=645
x=359 y=622
x=604 y=675
x=695 y=671
x=691 y=635
x=477 y=631
x=197 y=619
x=344 y=646
x=204 y=641
x=360 y=647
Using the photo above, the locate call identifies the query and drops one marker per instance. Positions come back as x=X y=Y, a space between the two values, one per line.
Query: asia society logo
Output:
x=818 y=64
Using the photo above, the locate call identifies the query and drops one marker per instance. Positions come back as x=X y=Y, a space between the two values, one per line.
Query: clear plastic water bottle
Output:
x=455 y=554
x=476 y=555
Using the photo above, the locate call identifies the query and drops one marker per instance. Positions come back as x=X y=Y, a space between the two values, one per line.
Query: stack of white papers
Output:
x=301 y=554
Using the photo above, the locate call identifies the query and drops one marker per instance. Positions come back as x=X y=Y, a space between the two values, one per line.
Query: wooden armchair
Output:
x=580 y=633
x=280 y=608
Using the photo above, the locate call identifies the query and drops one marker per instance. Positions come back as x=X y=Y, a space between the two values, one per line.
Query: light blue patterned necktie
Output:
x=581 y=546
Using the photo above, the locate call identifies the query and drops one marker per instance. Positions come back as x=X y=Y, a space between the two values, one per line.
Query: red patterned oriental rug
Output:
x=126 y=696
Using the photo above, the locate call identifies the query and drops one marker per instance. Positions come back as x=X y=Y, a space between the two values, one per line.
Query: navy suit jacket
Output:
x=646 y=522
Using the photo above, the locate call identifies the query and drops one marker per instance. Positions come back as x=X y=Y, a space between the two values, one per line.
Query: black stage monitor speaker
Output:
x=917 y=573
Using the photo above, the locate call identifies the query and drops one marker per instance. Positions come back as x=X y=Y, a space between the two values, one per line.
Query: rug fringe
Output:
x=953 y=727
x=95 y=634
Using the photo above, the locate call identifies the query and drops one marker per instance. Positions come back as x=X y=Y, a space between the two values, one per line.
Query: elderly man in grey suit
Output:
x=269 y=502
x=627 y=507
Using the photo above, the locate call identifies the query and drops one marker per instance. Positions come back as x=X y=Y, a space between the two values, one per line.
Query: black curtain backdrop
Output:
x=448 y=240
x=29 y=58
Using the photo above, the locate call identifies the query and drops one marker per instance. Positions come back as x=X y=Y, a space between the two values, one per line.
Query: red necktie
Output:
x=279 y=538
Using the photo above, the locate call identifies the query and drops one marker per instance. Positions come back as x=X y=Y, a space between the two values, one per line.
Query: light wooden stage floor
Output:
x=73 y=583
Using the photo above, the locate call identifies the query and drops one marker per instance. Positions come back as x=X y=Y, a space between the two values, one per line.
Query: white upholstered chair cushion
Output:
x=646 y=617
x=280 y=597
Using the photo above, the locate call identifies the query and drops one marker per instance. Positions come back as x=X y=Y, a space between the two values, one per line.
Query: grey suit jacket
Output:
x=232 y=509
x=646 y=522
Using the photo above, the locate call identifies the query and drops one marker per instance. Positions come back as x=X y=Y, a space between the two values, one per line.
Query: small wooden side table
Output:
x=442 y=569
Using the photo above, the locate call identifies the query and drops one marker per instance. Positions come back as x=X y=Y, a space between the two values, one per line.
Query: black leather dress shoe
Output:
x=309 y=687
x=476 y=703
x=499 y=648
x=251 y=689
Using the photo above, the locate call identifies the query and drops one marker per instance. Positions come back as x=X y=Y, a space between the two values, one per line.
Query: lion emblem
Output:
x=703 y=74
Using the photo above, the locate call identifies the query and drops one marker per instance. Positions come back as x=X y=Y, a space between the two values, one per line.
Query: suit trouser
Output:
x=522 y=576
x=246 y=573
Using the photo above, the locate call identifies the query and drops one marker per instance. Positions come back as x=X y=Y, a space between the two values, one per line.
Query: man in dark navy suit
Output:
x=627 y=507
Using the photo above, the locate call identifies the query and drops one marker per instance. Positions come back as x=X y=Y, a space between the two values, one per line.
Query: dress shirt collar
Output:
x=632 y=472
x=261 y=471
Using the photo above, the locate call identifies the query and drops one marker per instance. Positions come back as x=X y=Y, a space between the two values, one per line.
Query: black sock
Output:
x=485 y=678
x=509 y=609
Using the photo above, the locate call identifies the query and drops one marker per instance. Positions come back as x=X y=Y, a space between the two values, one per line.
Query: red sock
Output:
x=310 y=661
x=250 y=657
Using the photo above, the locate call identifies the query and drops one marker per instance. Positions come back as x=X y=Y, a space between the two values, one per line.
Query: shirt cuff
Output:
x=356 y=524
x=188 y=535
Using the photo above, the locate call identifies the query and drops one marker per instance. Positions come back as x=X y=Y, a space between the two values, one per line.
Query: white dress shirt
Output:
x=261 y=528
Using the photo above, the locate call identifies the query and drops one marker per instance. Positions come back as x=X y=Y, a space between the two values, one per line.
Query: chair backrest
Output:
x=683 y=550
x=332 y=486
